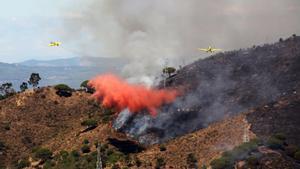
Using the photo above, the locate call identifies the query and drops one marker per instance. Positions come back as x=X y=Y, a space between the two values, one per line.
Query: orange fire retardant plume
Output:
x=114 y=92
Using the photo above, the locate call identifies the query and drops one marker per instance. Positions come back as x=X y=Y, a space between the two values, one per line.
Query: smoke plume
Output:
x=113 y=92
x=153 y=33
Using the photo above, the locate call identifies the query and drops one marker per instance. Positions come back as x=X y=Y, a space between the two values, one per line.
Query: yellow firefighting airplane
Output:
x=54 y=44
x=209 y=49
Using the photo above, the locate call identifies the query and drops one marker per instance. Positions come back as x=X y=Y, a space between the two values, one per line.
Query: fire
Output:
x=114 y=92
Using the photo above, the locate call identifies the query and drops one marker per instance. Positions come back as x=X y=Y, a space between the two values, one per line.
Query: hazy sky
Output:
x=27 y=26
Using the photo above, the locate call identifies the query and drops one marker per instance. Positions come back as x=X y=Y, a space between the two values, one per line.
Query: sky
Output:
x=138 y=29
x=27 y=26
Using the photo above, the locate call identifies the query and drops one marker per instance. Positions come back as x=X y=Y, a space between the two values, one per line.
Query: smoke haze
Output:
x=151 y=34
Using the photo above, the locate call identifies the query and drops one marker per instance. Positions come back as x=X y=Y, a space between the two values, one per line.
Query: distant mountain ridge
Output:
x=74 y=61
x=71 y=71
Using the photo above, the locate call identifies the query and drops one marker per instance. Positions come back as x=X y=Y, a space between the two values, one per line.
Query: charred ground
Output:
x=223 y=85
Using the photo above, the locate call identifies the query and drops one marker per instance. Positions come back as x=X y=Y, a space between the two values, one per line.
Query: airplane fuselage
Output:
x=209 y=49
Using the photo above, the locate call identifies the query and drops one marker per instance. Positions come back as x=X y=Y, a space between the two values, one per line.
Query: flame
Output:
x=114 y=92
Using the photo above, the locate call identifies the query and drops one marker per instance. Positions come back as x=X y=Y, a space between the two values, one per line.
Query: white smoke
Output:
x=149 y=32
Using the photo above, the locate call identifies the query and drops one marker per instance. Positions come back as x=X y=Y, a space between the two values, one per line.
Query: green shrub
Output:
x=113 y=157
x=85 y=149
x=63 y=90
x=48 y=164
x=138 y=162
x=35 y=149
x=75 y=161
x=221 y=163
x=90 y=123
x=2 y=164
x=162 y=148
x=127 y=158
x=191 y=158
x=84 y=84
x=238 y=151
x=2 y=97
x=228 y=158
x=104 y=147
x=96 y=143
x=275 y=143
x=297 y=155
x=160 y=162
x=109 y=151
x=87 y=161
x=169 y=70
x=43 y=153
x=252 y=160
x=85 y=141
x=2 y=145
x=88 y=89
x=108 y=115
x=115 y=166
x=75 y=154
x=64 y=154
x=63 y=87
x=7 y=125
x=280 y=136
x=23 y=163
x=291 y=150
x=6 y=90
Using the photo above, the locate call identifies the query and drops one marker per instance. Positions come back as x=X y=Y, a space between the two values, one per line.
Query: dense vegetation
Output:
x=249 y=153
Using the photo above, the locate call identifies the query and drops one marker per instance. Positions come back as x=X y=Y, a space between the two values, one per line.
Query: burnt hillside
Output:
x=259 y=123
x=282 y=116
x=223 y=85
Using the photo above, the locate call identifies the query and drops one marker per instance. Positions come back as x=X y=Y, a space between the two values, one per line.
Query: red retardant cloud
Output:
x=114 y=92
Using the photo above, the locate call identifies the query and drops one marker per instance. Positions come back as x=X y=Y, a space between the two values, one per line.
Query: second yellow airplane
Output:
x=209 y=49
x=54 y=44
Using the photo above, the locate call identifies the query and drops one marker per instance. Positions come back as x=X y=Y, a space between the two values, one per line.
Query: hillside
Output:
x=36 y=117
x=223 y=85
x=237 y=107
x=44 y=119
x=281 y=116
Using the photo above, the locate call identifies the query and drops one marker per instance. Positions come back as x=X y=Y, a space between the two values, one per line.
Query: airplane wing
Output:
x=205 y=50
x=216 y=50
